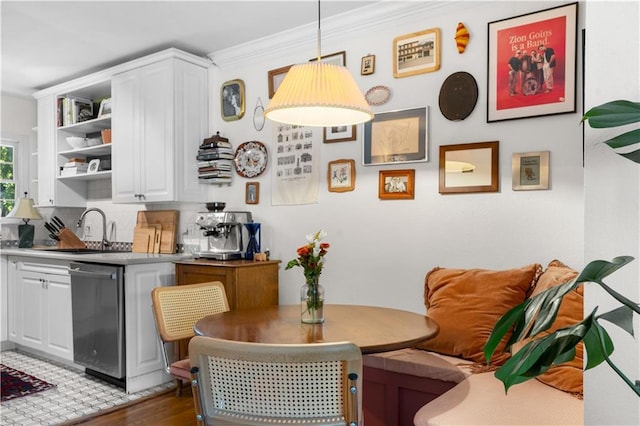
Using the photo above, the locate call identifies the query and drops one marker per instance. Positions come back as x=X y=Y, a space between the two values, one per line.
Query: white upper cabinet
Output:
x=159 y=120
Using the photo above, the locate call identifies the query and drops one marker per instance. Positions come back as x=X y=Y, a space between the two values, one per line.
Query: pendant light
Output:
x=318 y=94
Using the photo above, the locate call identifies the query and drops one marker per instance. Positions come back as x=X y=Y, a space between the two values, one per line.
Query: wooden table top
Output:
x=373 y=329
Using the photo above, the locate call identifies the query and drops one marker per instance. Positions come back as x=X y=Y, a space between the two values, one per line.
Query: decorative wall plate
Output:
x=458 y=96
x=251 y=159
x=378 y=95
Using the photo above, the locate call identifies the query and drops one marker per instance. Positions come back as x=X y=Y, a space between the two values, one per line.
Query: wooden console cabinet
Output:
x=248 y=284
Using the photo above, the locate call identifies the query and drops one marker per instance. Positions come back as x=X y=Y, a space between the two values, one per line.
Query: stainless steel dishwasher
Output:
x=97 y=307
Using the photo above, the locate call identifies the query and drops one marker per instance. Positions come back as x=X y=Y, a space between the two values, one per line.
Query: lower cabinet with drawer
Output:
x=39 y=294
x=247 y=284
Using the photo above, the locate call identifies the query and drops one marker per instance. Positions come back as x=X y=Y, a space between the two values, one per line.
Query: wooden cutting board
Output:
x=168 y=220
x=143 y=239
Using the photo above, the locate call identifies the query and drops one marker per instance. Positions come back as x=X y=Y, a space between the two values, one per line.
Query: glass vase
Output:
x=312 y=303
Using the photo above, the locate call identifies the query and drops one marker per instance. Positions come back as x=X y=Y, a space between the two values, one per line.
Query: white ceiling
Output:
x=48 y=42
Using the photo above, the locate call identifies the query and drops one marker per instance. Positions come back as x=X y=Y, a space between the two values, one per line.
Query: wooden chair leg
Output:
x=178 y=387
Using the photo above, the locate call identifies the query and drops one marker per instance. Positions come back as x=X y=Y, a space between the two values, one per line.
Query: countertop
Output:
x=113 y=258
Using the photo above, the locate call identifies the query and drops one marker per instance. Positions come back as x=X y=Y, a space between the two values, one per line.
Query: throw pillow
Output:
x=566 y=376
x=467 y=303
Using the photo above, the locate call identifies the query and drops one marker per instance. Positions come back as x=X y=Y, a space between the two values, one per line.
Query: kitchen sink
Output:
x=84 y=250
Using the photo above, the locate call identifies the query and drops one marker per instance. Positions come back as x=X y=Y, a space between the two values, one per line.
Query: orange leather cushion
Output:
x=467 y=303
x=566 y=376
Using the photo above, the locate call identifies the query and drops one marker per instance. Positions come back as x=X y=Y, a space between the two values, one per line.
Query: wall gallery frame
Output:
x=416 y=53
x=468 y=168
x=530 y=171
x=396 y=137
x=337 y=58
x=341 y=175
x=339 y=134
x=368 y=65
x=396 y=184
x=275 y=78
x=532 y=64
x=232 y=104
x=252 y=193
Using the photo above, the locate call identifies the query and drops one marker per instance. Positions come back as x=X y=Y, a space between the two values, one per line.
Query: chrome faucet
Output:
x=105 y=242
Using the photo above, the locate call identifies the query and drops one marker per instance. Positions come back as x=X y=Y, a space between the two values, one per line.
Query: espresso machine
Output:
x=223 y=236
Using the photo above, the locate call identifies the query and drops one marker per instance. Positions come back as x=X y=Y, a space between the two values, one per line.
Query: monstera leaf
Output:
x=538 y=313
x=614 y=114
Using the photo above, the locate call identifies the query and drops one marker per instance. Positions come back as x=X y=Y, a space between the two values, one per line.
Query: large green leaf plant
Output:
x=538 y=313
x=614 y=114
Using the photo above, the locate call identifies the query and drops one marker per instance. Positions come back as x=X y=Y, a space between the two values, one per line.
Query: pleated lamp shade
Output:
x=318 y=94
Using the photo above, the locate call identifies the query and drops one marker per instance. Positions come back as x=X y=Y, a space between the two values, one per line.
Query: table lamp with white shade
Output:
x=25 y=210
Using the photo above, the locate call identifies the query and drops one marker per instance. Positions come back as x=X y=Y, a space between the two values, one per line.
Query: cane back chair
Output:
x=176 y=310
x=240 y=383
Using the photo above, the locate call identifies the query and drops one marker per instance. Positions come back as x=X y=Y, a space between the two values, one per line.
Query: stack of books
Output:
x=73 y=109
x=215 y=160
x=75 y=166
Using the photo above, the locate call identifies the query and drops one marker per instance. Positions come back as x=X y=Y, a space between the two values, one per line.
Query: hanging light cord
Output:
x=319 y=31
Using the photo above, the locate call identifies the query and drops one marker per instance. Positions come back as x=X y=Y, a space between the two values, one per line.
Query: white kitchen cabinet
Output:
x=39 y=295
x=159 y=118
x=145 y=367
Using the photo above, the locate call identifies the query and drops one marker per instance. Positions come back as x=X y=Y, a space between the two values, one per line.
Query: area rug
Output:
x=16 y=383
x=75 y=398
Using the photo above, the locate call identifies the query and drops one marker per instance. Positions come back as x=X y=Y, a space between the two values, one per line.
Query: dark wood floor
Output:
x=164 y=410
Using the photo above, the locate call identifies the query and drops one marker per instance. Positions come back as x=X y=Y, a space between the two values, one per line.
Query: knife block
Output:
x=69 y=240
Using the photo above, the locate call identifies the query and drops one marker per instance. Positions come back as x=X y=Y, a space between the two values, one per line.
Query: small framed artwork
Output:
x=396 y=137
x=341 y=175
x=276 y=77
x=232 y=103
x=337 y=58
x=532 y=64
x=252 y=193
x=105 y=108
x=468 y=168
x=416 y=53
x=530 y=170
x=396 y=184
x=339 y=134
x=94 y=166
x=368 y=65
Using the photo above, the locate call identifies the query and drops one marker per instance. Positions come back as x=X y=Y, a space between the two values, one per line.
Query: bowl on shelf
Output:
x=94 y=141
x=215 y=206
x=77 y=142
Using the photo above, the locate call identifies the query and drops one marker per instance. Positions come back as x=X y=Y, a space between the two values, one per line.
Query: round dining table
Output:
x=373 y=329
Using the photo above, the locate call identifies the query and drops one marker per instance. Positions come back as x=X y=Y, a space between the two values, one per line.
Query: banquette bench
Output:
x=445 y=380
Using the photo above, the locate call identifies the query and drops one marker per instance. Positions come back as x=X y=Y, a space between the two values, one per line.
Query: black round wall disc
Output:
x=458 y=96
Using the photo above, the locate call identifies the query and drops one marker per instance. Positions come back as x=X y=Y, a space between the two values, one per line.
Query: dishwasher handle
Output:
x=81 y=273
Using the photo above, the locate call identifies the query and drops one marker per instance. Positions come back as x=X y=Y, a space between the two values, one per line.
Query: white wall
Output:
x=612 y=202
x=381 y=250
x=18 y=118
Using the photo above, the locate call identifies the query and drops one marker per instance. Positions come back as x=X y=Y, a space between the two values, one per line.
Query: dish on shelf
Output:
x=250 y=159
x=378 y=95
x=77 y=142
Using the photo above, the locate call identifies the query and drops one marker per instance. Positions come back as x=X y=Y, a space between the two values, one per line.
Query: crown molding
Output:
x=343 y=25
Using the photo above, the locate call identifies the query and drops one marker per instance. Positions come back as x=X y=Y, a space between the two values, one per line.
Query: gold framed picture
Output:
x=341 y=175
x=469 y=168
x=232 y=103
x=252 y=193
x=530 y=170
x=396 y=184
x=368 y=65
x=416 y=53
